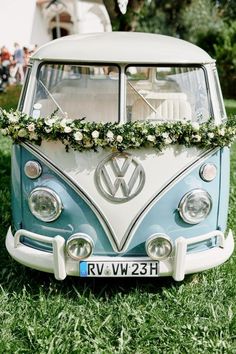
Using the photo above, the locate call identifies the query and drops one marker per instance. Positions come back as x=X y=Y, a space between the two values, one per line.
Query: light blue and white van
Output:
x=125 y=179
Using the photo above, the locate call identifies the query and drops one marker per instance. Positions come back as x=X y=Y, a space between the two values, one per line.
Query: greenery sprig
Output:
x=82 y=135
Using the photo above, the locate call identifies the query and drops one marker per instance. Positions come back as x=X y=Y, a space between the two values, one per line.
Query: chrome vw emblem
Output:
x=120 y=177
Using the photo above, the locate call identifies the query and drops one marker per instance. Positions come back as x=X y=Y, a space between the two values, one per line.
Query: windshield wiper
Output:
x=53 y=99
x=143 y=98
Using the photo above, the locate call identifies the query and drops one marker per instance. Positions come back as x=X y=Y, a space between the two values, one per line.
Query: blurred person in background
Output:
x=26 y=58
x=18 y=72
x=5 y=62
x=5 y=56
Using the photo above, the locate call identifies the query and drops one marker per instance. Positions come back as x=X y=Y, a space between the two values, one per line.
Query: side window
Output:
x=78 y=91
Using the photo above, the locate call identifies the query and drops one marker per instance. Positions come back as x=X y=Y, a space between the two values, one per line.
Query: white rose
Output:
x=63 y=122
x=110 y=135
x=50 y=121
x=31 y=127
x=95 y=134
x=168 y=141
x=211 y=135
x=69 y=120
x=78 y=136
x=119 y=138
x=48 y=130
x=67 y=129
x=151 y=138
x=197 y=137
x=12 y=118
x=222 y=131
x=4 y=131
x=165 y=135
x=195 y=126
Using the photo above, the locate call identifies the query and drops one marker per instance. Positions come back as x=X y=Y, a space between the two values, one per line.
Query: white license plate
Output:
x=119 y=269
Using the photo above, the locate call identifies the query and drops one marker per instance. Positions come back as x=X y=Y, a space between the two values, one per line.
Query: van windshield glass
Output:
x=167 y=93
x=77 y=91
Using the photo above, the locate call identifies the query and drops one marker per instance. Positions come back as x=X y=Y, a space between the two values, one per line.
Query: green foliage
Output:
x=225 y=53
x=230 y=106
x=207 y=23
x=152 y=19
x=203 y=24
x=227 y=9
x=82 y=135
x=162 y=16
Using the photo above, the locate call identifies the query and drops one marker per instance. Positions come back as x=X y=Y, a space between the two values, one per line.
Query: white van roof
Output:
x=123 y=47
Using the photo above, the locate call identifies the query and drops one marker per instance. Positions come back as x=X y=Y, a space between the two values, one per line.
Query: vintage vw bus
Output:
x=91 y=199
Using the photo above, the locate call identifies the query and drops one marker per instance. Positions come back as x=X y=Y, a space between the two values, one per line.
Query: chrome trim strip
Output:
x=102 y=219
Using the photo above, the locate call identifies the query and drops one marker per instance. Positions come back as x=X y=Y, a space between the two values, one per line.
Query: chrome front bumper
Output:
x=177 y=266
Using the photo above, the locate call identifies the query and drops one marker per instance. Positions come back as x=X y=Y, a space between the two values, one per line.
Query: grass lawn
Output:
x=41 y=315
x=230 y=107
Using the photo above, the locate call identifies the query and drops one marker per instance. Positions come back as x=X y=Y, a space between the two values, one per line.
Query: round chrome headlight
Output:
x=195 y=206
x=79 y=246
x=45 y=204
x=159 y=246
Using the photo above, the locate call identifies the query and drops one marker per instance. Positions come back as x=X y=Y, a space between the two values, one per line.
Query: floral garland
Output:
x=82 y=135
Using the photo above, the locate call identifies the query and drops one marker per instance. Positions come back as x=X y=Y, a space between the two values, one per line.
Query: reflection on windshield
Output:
x=167 y=93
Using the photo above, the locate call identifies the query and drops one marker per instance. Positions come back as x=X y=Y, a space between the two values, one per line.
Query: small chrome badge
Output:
x=120 y=177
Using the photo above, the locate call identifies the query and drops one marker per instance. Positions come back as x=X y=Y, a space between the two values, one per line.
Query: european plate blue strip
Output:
x=83 y=269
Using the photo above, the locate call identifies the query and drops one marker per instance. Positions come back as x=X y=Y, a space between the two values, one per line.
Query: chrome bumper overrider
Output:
x=177 y=266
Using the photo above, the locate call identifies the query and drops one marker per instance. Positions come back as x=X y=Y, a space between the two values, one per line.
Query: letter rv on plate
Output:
x=120 y=177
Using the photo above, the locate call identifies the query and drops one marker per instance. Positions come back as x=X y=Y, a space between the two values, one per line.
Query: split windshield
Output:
x=93 y=91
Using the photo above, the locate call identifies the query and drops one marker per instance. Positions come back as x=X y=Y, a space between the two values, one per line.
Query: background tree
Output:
x=228 y=9
x=210 y=24
x=225 y=54
x=127 y=21
x=162 y=16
